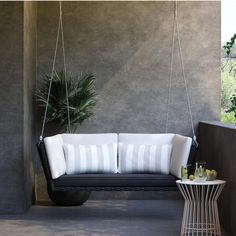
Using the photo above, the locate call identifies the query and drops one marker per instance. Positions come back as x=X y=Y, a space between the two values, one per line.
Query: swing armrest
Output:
x=180 y=153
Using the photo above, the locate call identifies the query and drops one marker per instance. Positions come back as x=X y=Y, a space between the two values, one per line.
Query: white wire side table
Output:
x=200 y=215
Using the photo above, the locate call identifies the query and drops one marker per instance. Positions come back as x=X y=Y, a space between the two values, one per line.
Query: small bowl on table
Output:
x=211 y=175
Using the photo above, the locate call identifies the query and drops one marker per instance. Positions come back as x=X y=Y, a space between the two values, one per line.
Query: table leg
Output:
x=200 y=216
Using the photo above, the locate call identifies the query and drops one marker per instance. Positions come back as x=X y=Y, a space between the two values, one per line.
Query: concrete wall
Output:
x=16 y=107
x=30 y=33
x=217 y=148
x=127 y=45
x=11 y=106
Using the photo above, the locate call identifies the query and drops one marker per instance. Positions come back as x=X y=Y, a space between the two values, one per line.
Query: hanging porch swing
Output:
x=73 y=189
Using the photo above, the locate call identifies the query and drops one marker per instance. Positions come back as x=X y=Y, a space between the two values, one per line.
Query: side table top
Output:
x=192 y=182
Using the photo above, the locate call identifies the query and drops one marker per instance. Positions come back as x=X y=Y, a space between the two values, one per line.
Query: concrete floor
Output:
x=106 y=218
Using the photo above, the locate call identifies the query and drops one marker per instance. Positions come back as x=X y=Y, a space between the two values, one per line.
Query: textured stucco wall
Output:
x=16 y=89
x=127 y=45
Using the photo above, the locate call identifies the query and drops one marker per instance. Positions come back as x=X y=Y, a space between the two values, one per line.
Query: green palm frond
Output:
x=81 y=95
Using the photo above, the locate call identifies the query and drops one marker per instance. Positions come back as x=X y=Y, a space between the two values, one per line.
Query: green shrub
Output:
x=228 y=89
x=228 y=117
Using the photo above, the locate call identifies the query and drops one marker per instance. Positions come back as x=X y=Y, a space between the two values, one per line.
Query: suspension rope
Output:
x=59 y=28
x=50 y=84
x=65 y=72
x=170 y=77
x=176 y=29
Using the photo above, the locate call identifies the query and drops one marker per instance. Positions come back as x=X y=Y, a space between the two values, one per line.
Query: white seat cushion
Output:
x=135 y=158
x=82 y=159
x=55 y=154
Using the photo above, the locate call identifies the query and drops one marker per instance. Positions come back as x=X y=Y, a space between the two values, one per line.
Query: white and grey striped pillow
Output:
x=135 y=158
x=90 y=158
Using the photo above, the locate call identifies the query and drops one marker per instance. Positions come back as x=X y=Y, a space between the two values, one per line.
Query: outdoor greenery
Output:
x=233 y=105
x=228 y=90
x=229 y=45
x=228 y=117
x=228 y=82
x=81 y=97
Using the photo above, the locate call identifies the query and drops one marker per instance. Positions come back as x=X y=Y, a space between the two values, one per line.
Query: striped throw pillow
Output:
x=90 y=158
x=135 y=158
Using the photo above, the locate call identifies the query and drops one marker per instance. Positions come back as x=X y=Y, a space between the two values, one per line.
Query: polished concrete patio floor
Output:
x=103 y=217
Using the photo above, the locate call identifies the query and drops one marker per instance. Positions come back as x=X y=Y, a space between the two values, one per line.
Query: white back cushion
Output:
x=95 y=139
x=180 y=154
x=55 y=154
x=144 y=158
x=155 y=139
x=90 y=158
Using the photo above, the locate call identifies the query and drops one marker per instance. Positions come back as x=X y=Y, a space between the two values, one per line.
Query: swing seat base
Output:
x=69 y=197
x=71 y=190
x=125 y=182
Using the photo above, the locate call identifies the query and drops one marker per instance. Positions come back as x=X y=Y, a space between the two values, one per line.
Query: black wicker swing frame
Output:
x=76 y=190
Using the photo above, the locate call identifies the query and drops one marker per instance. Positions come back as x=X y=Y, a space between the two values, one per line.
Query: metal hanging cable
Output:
x=59 y=29
x=176 y=31
x=65 y=71
x=170 y=77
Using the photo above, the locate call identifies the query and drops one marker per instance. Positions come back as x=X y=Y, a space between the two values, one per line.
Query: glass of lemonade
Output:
x=184 y=173
x=200 y=172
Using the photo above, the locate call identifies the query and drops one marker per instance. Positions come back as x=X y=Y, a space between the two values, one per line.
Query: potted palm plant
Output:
x=81 y=98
